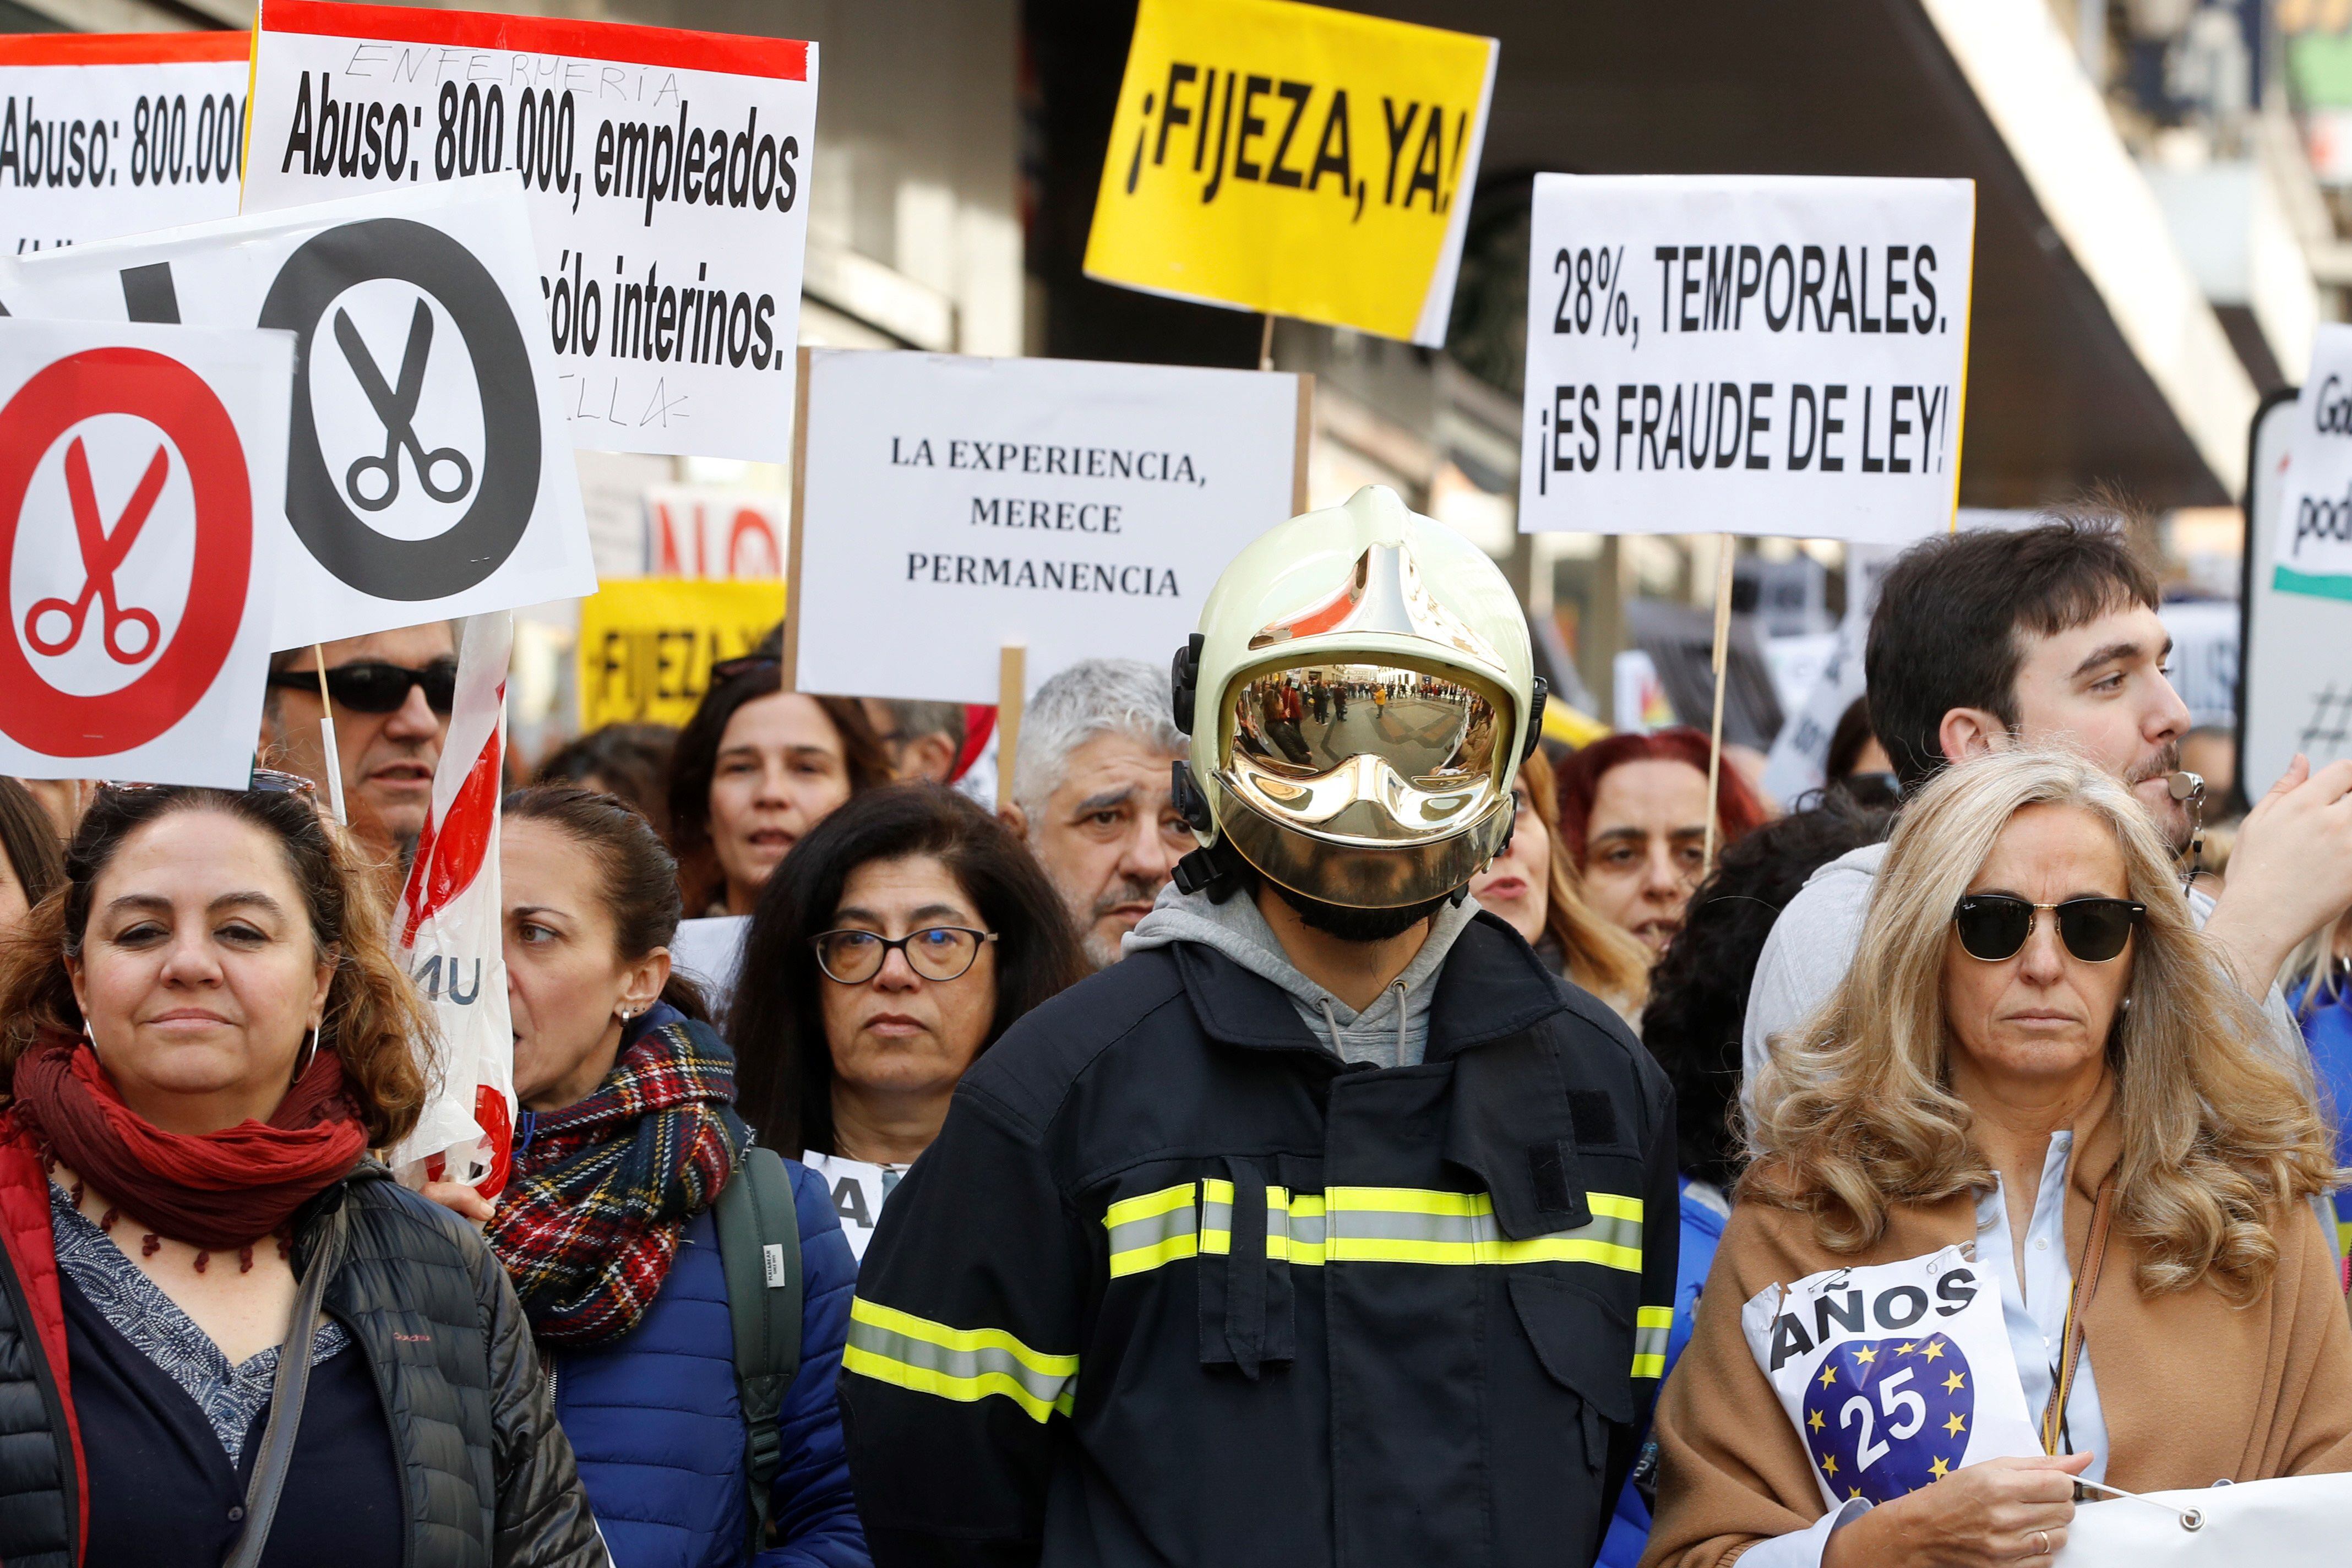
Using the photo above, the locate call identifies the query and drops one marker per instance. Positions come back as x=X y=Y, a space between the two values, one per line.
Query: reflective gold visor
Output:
x=1372 y=753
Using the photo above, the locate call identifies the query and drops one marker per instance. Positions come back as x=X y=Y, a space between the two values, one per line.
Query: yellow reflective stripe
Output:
x=1650 y=1327
x=1365 y=1225
x=1407 y=1200
x=963 y=1364
x=1148 y=1205
x=1216 y=1216
x=1152 y=1229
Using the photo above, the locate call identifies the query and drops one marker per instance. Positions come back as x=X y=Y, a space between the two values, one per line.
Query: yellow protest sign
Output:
x=646 y=644
x=1294 y=160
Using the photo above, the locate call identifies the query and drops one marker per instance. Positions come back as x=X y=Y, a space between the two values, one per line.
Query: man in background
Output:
x=392 y=693
x=924 y=740
x=1090 y=795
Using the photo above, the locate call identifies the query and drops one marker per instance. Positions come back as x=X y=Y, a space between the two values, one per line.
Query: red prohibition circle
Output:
x=170 y=397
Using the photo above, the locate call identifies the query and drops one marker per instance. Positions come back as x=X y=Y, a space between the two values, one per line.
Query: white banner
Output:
x=2313 y=548
x=2292 y=696
x=428 y=474
x=2291 y=1521
x=140 y=468
x=1746 y=355
x=666 y=174
x=1082 y=510
x=1895 y=1375
x=452 y=934
x=713 y=531
x=103 y=134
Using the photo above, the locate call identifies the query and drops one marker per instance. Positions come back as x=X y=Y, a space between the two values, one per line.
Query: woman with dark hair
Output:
x=34 y=861
x=1632 y=812
x=755 y=769
x=897 y=942
x=1857 y=765
x=630 y=761
x=1534 y=887
x=202 y=1034
x=628 y=1136
x=1699 y=998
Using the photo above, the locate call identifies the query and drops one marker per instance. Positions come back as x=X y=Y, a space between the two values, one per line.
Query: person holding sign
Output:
x=206 y=1031
x=1326 y=1224
x=2035 y=1117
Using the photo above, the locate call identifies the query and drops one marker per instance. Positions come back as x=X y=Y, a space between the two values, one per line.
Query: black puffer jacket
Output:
x=486 y=1473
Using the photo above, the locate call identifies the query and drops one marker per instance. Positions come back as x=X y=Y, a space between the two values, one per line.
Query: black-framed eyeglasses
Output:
x=376 y=687
x=1996 y=926
x=934 y=953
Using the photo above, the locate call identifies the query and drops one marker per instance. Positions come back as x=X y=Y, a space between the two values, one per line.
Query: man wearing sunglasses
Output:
x=392 y=694
x=1326 y=1224
x=2049 y=635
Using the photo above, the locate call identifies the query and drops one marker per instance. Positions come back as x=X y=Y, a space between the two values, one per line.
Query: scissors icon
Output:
x=397 y=408
x=101 y=553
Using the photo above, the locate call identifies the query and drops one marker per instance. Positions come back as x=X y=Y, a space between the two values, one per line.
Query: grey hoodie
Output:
x=1392 y=1032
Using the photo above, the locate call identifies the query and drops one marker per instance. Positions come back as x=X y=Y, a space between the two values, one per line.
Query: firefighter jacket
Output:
x=1177 y=1285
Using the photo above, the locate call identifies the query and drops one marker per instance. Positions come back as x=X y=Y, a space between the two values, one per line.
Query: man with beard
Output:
x=2049 y=635
x=1090 y=795
x=1327 y=1226
x=391 y=693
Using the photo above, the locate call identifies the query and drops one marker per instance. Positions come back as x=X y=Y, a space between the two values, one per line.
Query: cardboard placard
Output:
x=666 y=174
x=712 y=531
x=646 y=644
x=2312 y=552
x=428 y=475
x=947 y=507
x=1746 y=355
x=1295 y=160
x=139 y=468
x=103 y=134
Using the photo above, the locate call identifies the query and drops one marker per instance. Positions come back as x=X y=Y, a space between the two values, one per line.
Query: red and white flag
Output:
x=451 y=934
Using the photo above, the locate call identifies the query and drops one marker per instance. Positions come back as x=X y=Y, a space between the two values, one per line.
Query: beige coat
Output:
x=2193 y=1388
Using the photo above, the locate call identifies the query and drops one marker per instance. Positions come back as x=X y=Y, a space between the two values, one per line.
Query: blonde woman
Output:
x=2035 y=1055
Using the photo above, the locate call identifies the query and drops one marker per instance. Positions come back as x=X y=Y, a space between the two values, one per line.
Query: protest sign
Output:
x=712 y=530
x=2313 y=550
x=1746 y=355
x=452 y=933
x=859 y=1189
x=2285 y=1521
x=948 y=507
x=139 y=472
x=646 y=644
x=681 y=157
x=2295 y=688
x=1295 y=160
x=103 y=134
x=427 y=471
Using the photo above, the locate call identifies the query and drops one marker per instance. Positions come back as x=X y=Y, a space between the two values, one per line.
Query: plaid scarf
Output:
x=589 y=1225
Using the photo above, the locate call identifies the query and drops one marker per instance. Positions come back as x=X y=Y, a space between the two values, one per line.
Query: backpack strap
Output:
x=760 y=1248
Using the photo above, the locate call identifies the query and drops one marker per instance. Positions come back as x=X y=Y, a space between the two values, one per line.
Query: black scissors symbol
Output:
x=397 y=408
x=101 y=553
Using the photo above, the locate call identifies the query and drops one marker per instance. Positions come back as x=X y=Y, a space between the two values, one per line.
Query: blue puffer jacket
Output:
x=1703 y=1217
x=658 y=1429
x=2327 y=1030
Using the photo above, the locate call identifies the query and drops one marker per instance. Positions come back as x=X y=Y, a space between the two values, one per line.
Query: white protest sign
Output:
x=1895 y=1375
x=2285 y=1521
x=452 y=933
x=428 y=474
x=859 y=1191
x=1746 y=355
x=2295 y=688
x=952 y=506
x=714 y=530
x=2313 y=548
x=103 y=134
x=667 y=176
x=140 y=467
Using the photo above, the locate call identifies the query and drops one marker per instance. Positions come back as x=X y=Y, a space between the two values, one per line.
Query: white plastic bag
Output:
x=2298 y=1522
x=450 y=932
x=1895 y=1375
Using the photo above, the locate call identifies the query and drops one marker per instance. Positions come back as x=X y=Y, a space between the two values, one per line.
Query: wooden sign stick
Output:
x=1715 y=728
x=1012 y=688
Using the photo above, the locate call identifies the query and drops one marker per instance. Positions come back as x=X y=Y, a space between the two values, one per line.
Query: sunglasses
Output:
x=937 y=952
x=1995 y=926
x=377 y=688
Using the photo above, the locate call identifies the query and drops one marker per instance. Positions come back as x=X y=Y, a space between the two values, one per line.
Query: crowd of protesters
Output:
x=1970 y=992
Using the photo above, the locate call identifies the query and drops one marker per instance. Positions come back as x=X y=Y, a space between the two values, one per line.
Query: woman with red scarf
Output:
x=200 y=1036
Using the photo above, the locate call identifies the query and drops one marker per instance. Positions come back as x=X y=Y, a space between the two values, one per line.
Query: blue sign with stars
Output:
x=1884 y=1418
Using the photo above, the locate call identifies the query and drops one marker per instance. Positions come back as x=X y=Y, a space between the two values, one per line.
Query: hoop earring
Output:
x=309 y=1053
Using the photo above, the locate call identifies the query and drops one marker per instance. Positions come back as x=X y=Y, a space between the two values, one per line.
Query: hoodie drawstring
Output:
x=1331 y=1022
x=1400 y=995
